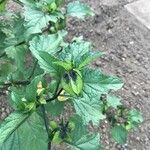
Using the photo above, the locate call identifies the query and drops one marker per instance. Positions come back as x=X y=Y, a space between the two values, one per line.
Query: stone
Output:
x=108 y=3
x=141 y=10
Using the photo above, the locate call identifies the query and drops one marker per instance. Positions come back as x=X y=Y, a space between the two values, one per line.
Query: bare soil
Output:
x=127 y=45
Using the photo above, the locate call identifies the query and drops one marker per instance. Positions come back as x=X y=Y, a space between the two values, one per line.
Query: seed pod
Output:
x=52 y=6
x=62 y=97
x=57 y=139
x=71 y=125
x=72 y=82
x=53 y=124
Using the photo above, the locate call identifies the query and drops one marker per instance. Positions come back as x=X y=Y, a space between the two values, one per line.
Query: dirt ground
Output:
x=127 y=45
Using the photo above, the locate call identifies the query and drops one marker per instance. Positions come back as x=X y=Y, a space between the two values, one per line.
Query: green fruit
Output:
x=71 y=125
x=53 y=6
x=53 y=124
x=56 y=138
x=128 y=126
x=72 y=82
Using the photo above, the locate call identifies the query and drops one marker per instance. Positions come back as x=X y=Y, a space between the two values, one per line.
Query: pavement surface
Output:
x=141 y=10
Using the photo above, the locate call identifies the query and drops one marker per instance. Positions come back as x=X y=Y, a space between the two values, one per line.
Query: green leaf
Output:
x=6 y=68
x=74 y=51
x=113 y=101
x=80 y=129
x=52 y=87
x=89 y=141
x=119 y=134
x=72 y=82
x=2 y=39
x=79 y=53
x=95 y=84
x=78 y=9
x=47 y=43
x=20 y=131
x=88 y=107
x=15 y=32
x=29 y=72
x=31 y=89
x=19 y=30
x=99 y=82
x=25 y=99
x=18 y=54
x=10 y=125
x=37 y=20
x=55 y=108
x=2 y=5
x=89 y=57
x=135 y=116
x=81 y=138
x=46 y=62
x=65 y=65
x=42 y=46
x=59 y=2
x=14 y=43
x=16 y=98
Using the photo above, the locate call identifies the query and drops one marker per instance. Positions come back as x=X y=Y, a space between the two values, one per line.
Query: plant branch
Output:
x=18 y=44
x=20 y=82
x=52 y=136
x=55 y=96
x=46 y=125
x=56 y=93
x=47 y=29
x=33 y=70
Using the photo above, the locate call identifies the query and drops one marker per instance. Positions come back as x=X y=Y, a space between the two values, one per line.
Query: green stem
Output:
x=56 y=93
x=5 y=86
x=2 y=55
x=18 y=44
x=20 y=82
x=55 y=96
x=46 y=126
x=50 y=133
x=2 y=1
x=33 y=70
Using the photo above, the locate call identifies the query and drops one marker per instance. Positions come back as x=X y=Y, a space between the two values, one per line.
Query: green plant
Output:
x=60 y=76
